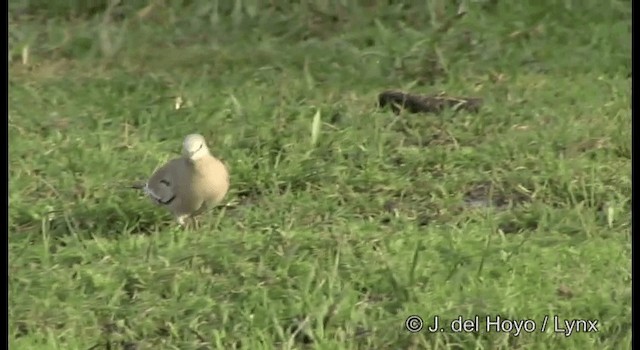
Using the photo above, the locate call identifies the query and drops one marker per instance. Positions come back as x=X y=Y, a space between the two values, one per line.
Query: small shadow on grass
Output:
x=503 y=198
x=487 y=194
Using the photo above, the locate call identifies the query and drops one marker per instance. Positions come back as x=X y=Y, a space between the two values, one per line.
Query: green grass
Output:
x=342 y=238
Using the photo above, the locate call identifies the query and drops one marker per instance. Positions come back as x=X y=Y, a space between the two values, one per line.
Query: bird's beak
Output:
x=193 y=152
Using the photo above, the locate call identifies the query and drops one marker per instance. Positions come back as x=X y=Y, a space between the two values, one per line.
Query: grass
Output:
x=335 y=234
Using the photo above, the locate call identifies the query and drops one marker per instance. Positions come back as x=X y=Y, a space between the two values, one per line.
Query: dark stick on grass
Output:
x=427 y=104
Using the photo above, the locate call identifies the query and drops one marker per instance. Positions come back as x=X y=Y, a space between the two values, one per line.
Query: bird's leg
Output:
x=195 y=222
x=181 y=219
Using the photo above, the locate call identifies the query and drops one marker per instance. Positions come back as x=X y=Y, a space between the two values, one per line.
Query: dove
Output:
x=188 y=185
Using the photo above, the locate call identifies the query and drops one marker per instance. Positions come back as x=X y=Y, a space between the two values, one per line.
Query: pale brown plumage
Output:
x=188 y=185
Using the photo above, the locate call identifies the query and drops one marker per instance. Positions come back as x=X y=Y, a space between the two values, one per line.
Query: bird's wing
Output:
x=163 y=186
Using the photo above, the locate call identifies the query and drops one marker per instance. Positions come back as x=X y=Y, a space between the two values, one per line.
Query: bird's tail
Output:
x=137 y=186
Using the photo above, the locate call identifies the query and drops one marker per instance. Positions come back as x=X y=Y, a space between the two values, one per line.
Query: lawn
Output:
x=343 y=218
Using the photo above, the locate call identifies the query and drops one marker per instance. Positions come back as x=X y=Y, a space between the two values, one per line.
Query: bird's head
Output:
x=194 y=147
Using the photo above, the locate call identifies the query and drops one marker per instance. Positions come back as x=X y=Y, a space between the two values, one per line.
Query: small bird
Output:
x=188 y=185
